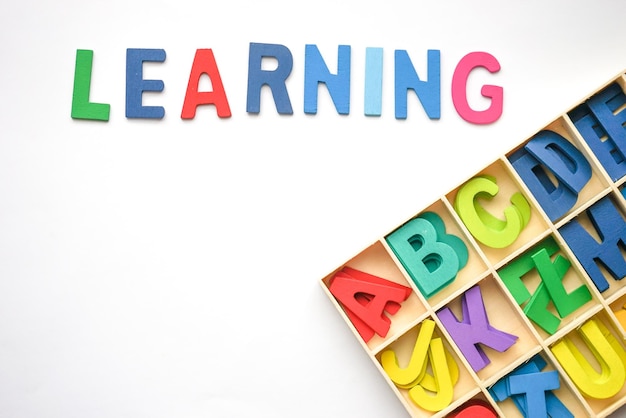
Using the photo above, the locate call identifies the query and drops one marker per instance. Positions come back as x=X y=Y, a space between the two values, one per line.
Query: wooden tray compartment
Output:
x=571 y=281
x=568 y=398
x=598 y=407
x=377 y=261
x=614 y=165
x=504 y=316
x=403 y=348
x=507 y=186
x=471 y=272
x=616 y=287
x=563 y=127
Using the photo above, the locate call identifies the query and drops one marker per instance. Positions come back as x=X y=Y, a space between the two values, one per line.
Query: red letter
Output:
x=459 y=87
x=476 y=411
x=204 y=63
x=365 y=297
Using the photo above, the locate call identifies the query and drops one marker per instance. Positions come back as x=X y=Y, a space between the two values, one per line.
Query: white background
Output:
x=171 y=268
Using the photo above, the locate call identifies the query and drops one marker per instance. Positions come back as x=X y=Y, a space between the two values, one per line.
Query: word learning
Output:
x=316 y=73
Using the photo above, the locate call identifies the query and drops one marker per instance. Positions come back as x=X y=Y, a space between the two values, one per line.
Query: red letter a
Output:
x=204 y=63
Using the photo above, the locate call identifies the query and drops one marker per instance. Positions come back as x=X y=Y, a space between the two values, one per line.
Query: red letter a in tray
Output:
x=365 y=298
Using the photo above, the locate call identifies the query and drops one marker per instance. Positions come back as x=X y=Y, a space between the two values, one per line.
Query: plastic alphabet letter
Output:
x=485 y=227
x=550 y=151
x=563 y=159
x=373 y=96
x=601 y=122
x=406 y=78
x=534 y=386
x=316 y=72
x=611 y=228
x=537 y=310
x=365 y=331
x=204 y=63
x=554 y=200
x=429 y=381
x=552 y=274
x=136 y=85
x=274 y=79
x=502 y=390
x=391 y=307
x=609 y=355
x=512 y=273
x=413 y=373
x=431 y=257
x=415 y=378
x=476 y=410
x=82 y=108
x=550 y=289
x=445 y=389
x=365 y=297
x=613 y=342
x=459 y=89
x=474 y=329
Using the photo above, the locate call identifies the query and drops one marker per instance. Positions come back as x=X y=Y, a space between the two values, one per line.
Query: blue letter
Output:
x=428 y=92
x=136 y=85
x=373 y=81
x=316 y=71
x=611 y=228
x=603 y=129
x=550 y=151
x=275 y=79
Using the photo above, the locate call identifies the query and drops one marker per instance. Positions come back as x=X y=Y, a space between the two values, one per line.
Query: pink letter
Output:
x=459 y=89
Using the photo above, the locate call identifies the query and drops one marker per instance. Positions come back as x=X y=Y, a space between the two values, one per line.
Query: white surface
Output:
x=170 y=268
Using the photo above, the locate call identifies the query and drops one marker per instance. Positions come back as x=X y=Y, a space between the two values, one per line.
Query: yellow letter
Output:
x=609 y=354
